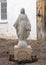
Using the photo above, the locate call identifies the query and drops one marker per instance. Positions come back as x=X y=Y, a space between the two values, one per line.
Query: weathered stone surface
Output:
x=21 y=54
x=22 y=26
x=22 y=43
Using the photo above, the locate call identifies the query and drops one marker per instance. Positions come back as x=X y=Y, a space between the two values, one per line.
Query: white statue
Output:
x=23 y=27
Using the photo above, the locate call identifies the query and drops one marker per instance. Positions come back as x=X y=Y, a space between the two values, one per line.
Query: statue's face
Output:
x=22 y=11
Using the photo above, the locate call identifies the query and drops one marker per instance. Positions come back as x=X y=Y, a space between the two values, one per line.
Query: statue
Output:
x=22 y=51
x=23 y=26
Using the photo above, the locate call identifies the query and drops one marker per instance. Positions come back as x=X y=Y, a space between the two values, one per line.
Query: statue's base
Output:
x=22 y=54
x=22 y=43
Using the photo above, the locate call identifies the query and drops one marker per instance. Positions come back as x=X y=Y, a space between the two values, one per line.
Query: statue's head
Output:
x=22 y=11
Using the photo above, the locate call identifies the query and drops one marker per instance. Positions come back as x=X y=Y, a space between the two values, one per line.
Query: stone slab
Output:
x=22 y=54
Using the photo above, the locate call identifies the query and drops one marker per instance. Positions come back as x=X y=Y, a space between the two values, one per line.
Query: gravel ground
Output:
x=39 y=49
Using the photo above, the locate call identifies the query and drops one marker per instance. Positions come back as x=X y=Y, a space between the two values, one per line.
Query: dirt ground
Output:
x=39 y=49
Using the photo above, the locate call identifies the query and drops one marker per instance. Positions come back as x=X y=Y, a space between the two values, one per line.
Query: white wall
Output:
x=0 y=10
x=13 y=9
x=3 y=28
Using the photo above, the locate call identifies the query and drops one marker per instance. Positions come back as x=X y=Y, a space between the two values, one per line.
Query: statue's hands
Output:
x=27 y=29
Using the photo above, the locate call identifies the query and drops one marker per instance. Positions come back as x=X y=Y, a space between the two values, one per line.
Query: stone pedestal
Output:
x=22 y=53
x=22 y=43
